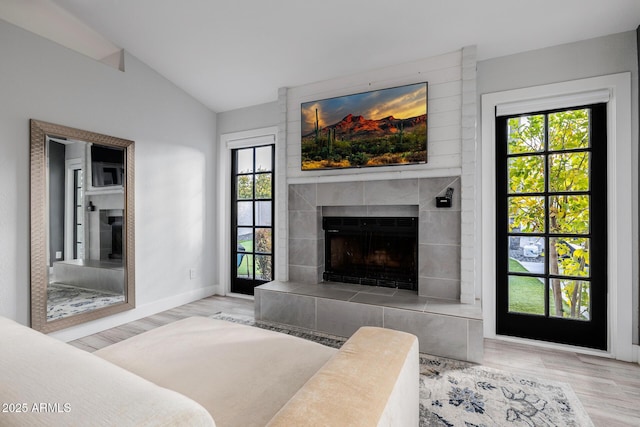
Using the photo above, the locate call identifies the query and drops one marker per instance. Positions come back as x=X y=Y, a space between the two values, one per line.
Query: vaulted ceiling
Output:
x=232 y=54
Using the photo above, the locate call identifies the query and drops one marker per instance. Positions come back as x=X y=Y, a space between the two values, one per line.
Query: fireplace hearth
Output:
x=373 y=251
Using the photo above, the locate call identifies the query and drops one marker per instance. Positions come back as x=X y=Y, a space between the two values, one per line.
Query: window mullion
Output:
x=547 y=219
x=253 y=212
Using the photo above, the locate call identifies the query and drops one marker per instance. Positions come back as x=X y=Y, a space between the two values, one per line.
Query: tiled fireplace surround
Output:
x=444 y=326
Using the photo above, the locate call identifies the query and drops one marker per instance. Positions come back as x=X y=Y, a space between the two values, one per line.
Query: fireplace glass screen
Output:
x=372 y=251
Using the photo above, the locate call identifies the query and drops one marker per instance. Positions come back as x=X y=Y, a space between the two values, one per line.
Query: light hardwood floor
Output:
x=608 y=389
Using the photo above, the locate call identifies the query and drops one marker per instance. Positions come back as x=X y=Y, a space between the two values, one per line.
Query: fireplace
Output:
x=111 y=222
x=374 y=251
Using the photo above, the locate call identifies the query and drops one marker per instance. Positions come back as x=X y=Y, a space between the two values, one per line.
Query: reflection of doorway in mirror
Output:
x=74 y=210
x=78 y=229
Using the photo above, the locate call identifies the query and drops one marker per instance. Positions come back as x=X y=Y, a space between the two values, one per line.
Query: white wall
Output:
x=242 y=119
x=444 y=75
x=175 y=166
x=589 y=58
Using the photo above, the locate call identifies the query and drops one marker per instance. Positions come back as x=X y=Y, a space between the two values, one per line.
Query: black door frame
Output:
x=242 y=285
x=592 y=333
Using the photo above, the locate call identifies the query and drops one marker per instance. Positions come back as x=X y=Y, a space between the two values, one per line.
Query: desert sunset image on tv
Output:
x=378 y=128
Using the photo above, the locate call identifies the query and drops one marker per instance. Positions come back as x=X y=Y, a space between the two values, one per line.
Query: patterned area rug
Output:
x=454 y=393
x=66 y=300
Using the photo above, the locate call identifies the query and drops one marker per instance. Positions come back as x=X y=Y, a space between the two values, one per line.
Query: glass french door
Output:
x=551 y=226
x=252 y=216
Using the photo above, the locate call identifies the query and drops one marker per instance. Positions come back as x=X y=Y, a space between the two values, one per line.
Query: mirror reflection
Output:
x=82 y=226
x=86 y=208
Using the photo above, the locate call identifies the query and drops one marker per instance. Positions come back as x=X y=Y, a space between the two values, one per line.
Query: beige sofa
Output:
x=197 y=370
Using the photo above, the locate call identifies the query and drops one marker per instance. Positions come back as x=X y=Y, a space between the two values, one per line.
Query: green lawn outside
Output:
x=244 y=265
x=526 y=294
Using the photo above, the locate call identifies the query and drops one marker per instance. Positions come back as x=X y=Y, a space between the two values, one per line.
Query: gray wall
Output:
x=611 y=54
x=175 y=163
x=588 y=58
x=255 y=117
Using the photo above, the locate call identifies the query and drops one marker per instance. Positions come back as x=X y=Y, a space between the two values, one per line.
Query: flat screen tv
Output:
x=377 y=128
x=107 y=166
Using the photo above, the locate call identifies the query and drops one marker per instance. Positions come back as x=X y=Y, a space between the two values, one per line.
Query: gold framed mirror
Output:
x=82 y=226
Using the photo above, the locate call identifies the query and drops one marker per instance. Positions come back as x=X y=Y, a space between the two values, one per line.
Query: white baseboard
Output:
x=636 y=353
x=139 y=312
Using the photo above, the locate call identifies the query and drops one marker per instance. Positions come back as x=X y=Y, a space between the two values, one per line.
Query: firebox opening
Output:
x=116 y=237
x=374 y=251
x=111 y=234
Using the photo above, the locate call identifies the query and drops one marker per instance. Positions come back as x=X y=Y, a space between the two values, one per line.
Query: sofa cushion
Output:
x=241 y=374
x=52 y=383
